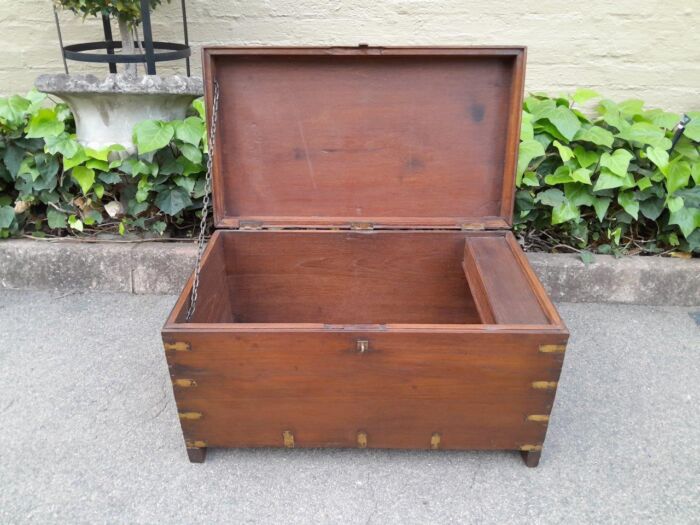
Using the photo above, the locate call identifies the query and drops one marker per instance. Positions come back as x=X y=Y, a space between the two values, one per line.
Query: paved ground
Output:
x=89 y=433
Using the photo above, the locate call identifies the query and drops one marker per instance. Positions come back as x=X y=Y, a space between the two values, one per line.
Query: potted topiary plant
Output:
x=106 y=110
x=127 y=13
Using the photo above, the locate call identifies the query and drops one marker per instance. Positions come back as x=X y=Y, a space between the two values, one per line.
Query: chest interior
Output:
x=417 y=146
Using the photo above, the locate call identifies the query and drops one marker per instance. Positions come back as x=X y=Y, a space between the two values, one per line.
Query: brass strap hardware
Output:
x=362 y=439
x=544 y=385
x=361 y=226
x=177 y=347
x=288 y=439
x=190 y=415
x=362 y=346
x=435 y=441
x=184 y=383
x=539 y=418
x=552 y=349
x=530 y=448
x=195 y=444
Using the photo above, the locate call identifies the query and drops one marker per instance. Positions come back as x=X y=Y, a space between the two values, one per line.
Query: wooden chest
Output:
x=362 y=288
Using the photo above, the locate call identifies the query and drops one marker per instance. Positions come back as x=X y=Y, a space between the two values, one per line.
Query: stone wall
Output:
x=624 y=48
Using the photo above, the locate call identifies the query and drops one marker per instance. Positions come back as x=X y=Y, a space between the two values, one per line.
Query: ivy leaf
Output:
x=584 y=157
x=44 y=124
x=110 y=177
x=674 y=204
x=691 y=197
x=582 y=175
x=530 y=179
x=629 y=203
x=659 y=157
x=692 y=129
x=152 y=135
x=192 y=153
x=652 y=208
x=98 y=154
x=579 y=194
x=190 y=130
x=564 y=212
x=601 y=205
x=662 y=118
x=526 y=130
x=13 y=109
x=587 y=257
x=687 y=219
x=56 y=219
x=695 y=172
x=13 y=157
x=84 y=176
x=551 y=197
x=99 y=190
x=596 y=135
x=678 y=176
x=561 y=175
x=566 y=122
x=198 y=105
x=186 y=183
x=7 y=215
x=173 y=200
x=607 y=180
x=75 y=160
x=583 y=95
x=631 y=107
x=96 y=164
x=618 y=162
x=529 y=149
x=63 y=144
x=75 y=223
x=644 y=183
x=564 y=151
x=540 y=109
x=645 y=133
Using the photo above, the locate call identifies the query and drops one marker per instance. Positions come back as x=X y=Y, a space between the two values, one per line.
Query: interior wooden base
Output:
x=366 y=278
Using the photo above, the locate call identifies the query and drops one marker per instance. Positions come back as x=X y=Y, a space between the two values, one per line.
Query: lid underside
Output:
x=399 y=138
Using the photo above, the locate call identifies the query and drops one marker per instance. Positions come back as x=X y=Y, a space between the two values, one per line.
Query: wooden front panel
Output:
x=412 y=137
x=477 y=390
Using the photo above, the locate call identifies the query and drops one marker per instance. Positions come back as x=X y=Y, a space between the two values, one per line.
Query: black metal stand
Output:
x=153 y=51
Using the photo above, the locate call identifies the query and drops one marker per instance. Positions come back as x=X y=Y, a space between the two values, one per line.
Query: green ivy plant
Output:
x=610 y=182
x=607 y=183
x=50 y=183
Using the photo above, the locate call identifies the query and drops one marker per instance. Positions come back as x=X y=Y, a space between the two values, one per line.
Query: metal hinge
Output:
x=472 y=226
x=361 y=226
x=250 y=225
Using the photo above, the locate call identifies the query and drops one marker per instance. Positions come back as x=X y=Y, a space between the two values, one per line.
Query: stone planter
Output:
x=106 y=111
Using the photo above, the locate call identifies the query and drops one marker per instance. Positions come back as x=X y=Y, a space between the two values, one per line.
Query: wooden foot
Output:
x=531 y=458
x=197 y=455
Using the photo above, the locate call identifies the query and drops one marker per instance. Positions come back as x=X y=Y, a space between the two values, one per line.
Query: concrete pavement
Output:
x=89 y=433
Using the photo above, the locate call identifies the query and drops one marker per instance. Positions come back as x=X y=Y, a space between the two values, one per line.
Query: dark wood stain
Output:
x=311 y=141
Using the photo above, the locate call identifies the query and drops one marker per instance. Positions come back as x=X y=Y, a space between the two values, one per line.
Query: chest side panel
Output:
x=481 y=391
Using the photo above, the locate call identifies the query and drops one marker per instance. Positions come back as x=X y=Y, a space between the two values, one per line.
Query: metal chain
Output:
x=205 y=203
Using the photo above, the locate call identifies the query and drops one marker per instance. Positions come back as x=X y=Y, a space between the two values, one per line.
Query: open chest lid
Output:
x=365 y=138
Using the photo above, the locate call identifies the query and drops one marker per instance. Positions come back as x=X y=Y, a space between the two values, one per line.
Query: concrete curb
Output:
x=162 y=268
